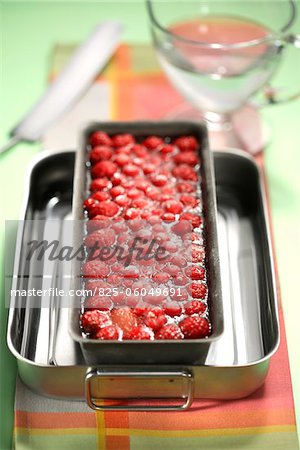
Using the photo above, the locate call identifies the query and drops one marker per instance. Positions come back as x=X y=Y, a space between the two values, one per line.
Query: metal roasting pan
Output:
x=236 y=364
x=154 y=352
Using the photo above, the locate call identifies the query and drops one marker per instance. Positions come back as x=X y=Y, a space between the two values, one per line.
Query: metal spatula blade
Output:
x=88 y=60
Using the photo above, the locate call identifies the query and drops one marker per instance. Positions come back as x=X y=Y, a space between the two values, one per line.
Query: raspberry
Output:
x=120 y=140
x=134 y=193
x=185 y=172
x=180 y=295
x=152 y=142
x=103 y=169
x=131 y=170
x=170 y=331
x=96 y=285
x=198 y=253
x=152 y=193
x=189 y=158
x=98 y=302
x=91 y=321
x=194 y=307
x=139 y=150
x=99 y=184
x=100 y=238
x=159 y=180
x=199 y=290
x=194 y=327
x=148 y=168
x=89 y=203
x=194 y=219
x=180 y=279
x=142 y=184
x=110 y=332
x=122 y=200
x=195 y=273
x=186 y=143
x=139 y=203
x=185 y=187
x=118 y=178
x=125 y=319
x=171 y=269
x=172 y=309
x=122 y=159
x=154 y=318
x=189 y=200
x=100 y=153
x=161 y=277
x=100 y=138
x=108 y=208
x=95 y=269
x=140 y=333
x=101 y=196
x=97 y=223
x=173 y=206
x=168 y=217
x=131 y=213
x=126 y=150
x=131 y=272
x=182 y=228
x=117 y=190
x=166 y=148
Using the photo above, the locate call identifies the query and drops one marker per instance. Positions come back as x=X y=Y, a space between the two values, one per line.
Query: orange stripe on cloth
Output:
x=54 y=419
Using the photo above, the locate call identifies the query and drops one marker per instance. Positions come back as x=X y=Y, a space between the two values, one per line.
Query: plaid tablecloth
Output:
x=137 y=89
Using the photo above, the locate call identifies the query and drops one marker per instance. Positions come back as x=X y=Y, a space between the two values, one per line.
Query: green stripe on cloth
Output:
x=57 y=442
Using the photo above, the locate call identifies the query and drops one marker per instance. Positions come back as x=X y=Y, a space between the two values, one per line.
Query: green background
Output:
x=28 y=32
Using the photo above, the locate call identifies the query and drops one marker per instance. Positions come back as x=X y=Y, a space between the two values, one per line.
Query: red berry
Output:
x=108 y=208
x=98 y=302
x=185 y=187
x=120 y=140
x=170 y=331
x=182 y=228
x=189 y=200
x=92 y=320
x=139 y=150
x=194 y=219
x=97 y=223
x=172 y=309
x=196 y=272
x=110 y=332
x=185 y=172
x=131 y=213
x=152 y=142
x=118 y=178
x=89 y=203
x=100 y=153
x=159 y=180
x=100 y=138
x=103 y=169
x=131 y=170
x=168 y=217
x=189 y=158
x=139 y=203
x=99 y=184
x=122 y=200
x=173 y=206
x=101 y=238
x=122 y=159
x=194 y=307
x=125 y=319
x=134 y=193
x=199 y=290
x=142 y=184
x=148 y=168
x=95 y=269
x=161 y=277
x=152 y=193
x=140 y=333
x=101 y=196
x=117 y=190
x=186 y=143
x=155 y=318
x=167 y=148
x=198 y=254
x=194 y=327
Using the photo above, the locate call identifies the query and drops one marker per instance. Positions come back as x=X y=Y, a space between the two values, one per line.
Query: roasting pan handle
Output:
x=97 y=377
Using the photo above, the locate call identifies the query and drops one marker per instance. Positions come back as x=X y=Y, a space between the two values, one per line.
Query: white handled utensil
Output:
x=88 y=60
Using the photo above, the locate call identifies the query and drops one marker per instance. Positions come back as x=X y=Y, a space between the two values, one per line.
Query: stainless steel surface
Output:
x=186 y=392
x=155 y=352
x=237 y=363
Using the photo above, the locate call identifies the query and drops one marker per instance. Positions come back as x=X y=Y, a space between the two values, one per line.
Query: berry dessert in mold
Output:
x=145 y=190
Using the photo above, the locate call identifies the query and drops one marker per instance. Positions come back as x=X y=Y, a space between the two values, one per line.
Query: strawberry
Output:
x=194 y=307
x=195 y=327
x=110 y=332
x=100 y=238
x=108 y=208
x=120 y=140
x=104 y=169
x=186 y=143
x=99 y=138
x=199 y=290
x=125 y=319
x=189 y=158
x=169 y=332
x=131 y=170
x=140 y=333
x=91 y=321
x=100 y=153
x=95 y=269
x=173 y=206
x=99 y=184
x=98 y=302
x=153 y=142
